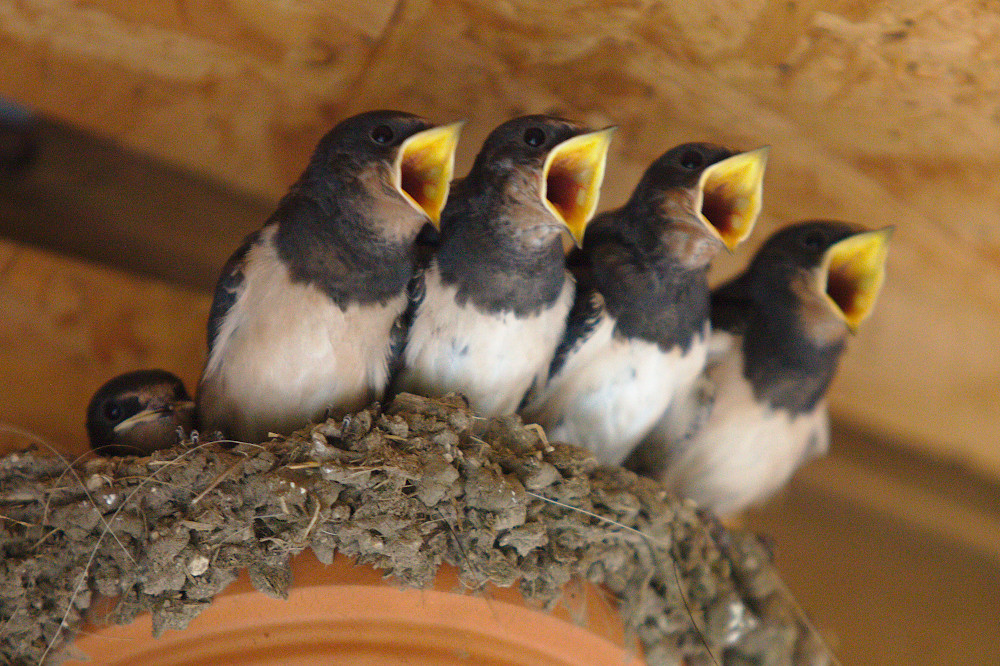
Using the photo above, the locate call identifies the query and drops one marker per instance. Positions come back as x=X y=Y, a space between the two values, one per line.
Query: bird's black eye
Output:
x=692 y=159
x=382 y=134
x=534 y=136
x=814 y=240
x=112 y=411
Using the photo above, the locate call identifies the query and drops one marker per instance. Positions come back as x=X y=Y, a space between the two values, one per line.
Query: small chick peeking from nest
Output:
x=340 y=301
x=139 y=412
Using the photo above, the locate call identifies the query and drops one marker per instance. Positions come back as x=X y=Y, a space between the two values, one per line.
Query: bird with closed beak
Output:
x=139 y=412
x=489 y=310
x=779 y=330
x=639 y=326
x=304 y=319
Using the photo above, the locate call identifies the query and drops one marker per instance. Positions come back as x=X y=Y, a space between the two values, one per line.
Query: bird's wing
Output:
x=819 y=438
x=731 y=305
x=579 y=265
x=415 y=292
x=427 y=244
x=583 y=318
x=690 y=409
x=227 y=289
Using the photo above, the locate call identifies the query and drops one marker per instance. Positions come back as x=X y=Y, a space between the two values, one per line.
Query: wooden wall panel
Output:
x=883 y=112
x=214 y=86
x=66 y=327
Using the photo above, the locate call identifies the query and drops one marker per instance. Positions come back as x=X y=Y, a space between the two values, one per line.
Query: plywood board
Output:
x=882 y=112
x=66 y=327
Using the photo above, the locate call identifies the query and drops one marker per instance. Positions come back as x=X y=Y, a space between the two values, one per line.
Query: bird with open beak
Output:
x=304 y=320
x=491 y=307
x=139 y=412
x=639 y=326
x=779 y=330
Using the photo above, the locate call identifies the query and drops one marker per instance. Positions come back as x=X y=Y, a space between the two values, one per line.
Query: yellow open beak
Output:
x=425 y=164
x=572 y=177
x=731 y=194
x=852 y=273
x=154 y=413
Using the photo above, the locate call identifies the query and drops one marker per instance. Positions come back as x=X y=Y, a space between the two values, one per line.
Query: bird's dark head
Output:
x=392 y=153
x=835 y=270
x=551 y=169
x=702 y=196
x=138 y=412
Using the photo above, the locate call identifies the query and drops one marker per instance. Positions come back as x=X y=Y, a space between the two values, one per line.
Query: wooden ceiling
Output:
x=877 y=112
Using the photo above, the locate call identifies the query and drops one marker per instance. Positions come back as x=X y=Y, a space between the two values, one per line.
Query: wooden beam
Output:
x=879 y=112
x=87 y=197
x=225 y=88
x=67 y=327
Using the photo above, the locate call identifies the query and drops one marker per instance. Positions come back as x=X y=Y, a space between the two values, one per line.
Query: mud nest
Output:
x=402 y=489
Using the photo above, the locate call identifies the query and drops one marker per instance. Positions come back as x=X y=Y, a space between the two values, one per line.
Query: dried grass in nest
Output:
x=403 y=490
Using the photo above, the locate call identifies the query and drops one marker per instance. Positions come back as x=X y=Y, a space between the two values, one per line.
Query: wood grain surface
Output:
x=881 y=112
x=67 y=327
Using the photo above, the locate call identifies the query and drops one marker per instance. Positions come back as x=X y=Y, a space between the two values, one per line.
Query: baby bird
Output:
x=139 y=412
x=304 y=320
x=639 y=326
x=491 y=307
x=779 y=330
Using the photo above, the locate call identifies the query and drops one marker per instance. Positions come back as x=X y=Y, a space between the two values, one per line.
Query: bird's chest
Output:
x=289 y=339
x=614 y=389
x=636 y=372
x=749 y=448
x=492 y=358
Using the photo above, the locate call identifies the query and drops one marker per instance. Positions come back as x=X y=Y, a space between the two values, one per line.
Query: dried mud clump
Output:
x=402 y=489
